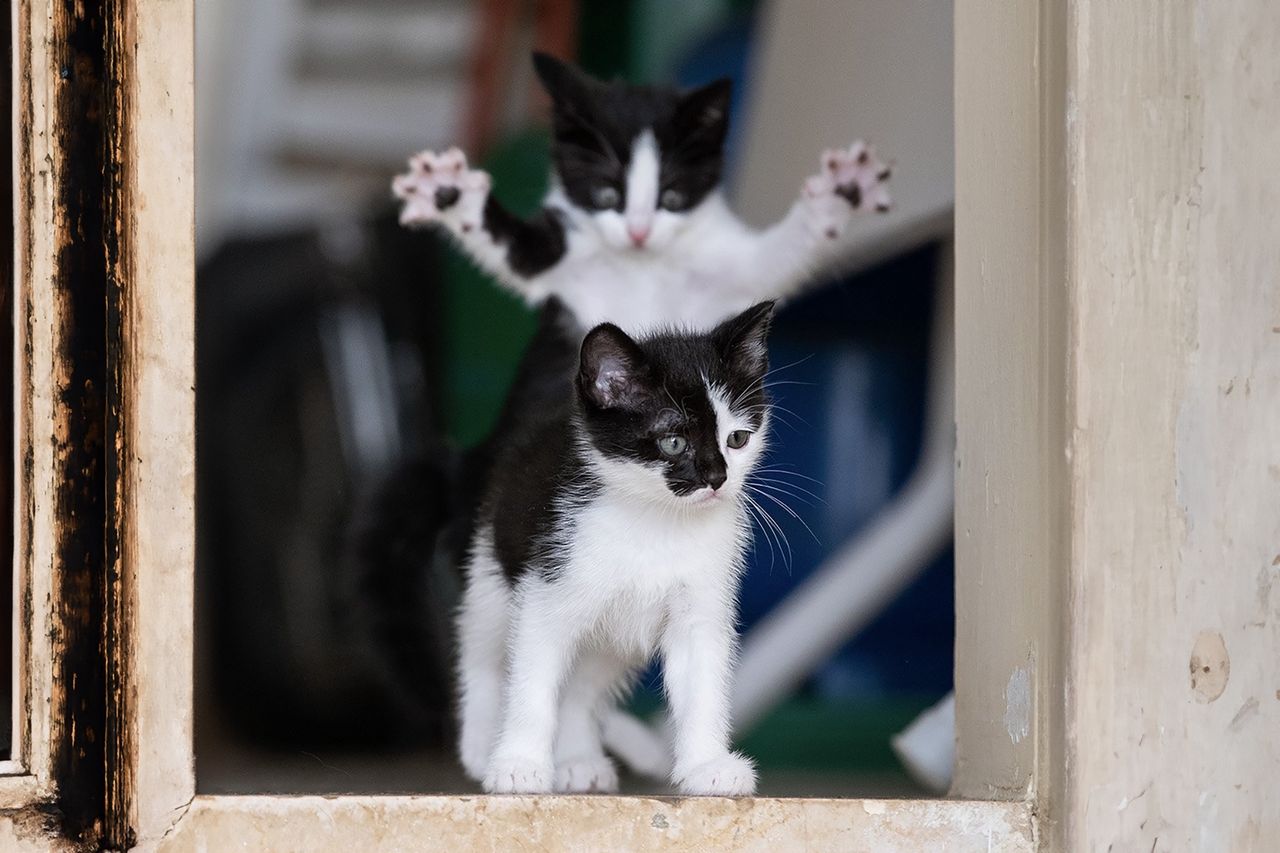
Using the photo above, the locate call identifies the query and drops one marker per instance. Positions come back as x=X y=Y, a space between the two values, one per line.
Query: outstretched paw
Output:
x=440 y=188
x=850 y=180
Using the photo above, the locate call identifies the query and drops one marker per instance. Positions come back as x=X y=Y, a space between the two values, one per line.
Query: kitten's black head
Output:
x=636 y=158
x=677 y=413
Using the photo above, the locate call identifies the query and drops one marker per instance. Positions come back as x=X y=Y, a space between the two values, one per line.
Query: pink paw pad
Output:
x=440 y=186
x=859 y=176
x=851 y=179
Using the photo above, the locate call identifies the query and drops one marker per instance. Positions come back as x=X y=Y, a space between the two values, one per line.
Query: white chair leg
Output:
x=862 y=578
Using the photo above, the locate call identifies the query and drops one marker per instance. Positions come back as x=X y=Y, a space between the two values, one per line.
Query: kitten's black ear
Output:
x=743 y=340
x=566 y=85
x=611 y=370
x=705 y=111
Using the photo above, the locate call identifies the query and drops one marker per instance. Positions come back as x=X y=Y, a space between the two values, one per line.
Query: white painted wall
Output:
x=1118 y=307
x=1174 y=164
x=837 y=71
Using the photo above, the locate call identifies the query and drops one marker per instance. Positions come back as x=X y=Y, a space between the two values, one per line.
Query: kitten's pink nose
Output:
x=638 y=233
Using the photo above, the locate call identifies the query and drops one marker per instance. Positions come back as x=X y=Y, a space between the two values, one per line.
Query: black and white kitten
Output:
x=635 y=230
x=613 y=527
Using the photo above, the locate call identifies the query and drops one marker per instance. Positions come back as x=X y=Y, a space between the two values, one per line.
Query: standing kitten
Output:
x=634 y=230
x=612 y=528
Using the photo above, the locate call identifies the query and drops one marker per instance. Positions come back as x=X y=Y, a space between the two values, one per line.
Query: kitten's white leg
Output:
x=783 y=258
x=539 y=656
x=697 y=650
x=482 y=635
x=441 y=190
x=581 y=763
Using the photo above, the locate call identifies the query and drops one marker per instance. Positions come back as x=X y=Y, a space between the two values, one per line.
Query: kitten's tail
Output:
x=636 y=743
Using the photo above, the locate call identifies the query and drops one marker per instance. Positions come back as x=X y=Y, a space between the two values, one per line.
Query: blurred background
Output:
x=344 y=362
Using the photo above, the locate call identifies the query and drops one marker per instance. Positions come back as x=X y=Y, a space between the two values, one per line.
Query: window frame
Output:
x=147 y=575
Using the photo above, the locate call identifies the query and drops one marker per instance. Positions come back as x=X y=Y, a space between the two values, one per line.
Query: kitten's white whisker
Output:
x=779 y=382
x=779 y=469
x=773 y=557
x=776 y=489
x=762 y=381
x=777 y=530
x=791 y=513
x=783 y=484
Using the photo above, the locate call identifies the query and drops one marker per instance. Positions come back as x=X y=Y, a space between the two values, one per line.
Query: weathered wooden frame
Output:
x=106 y=523
x=106 y=520
x=104 y=405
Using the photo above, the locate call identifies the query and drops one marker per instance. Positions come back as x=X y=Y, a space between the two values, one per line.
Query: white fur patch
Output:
x=738 y=461
x=642 y=183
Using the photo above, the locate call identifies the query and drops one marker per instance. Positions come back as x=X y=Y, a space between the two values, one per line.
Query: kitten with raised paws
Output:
x=635 y=230
x=612 y=529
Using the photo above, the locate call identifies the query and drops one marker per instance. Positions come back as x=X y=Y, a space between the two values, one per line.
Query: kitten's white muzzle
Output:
x=706 y=495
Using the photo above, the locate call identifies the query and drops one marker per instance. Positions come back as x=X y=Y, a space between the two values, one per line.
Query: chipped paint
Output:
x=1210 y=666
x=1017 y=704
x=1247 y=712
x=104 y=333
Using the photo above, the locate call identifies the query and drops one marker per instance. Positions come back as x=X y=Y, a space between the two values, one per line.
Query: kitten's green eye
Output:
x=672 y=199
x=672 y=445
x=738 y=438
x=605 y=197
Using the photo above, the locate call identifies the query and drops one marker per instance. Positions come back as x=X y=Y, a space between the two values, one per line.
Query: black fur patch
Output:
x=667 y=395
x=595 y=125
x=654 y=388
x=535 y=402
x=533 y=245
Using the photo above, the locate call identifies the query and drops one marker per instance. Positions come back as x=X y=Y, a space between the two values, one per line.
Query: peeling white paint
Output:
x=1017 y=704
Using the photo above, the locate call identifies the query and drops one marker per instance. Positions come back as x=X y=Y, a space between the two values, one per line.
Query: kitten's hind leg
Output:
x=482 y=639
x=581 y=763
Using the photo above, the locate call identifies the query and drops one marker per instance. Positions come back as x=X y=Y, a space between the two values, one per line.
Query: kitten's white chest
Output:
x=637 y=294
x=628 y=566
x=689 y=285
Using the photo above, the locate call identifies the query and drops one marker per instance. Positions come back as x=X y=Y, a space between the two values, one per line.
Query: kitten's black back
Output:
x=525 y=440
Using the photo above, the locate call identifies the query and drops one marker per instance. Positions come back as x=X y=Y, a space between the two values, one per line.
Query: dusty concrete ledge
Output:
x=316 y=824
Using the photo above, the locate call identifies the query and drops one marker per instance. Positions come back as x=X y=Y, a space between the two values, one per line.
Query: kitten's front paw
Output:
x=592 y=775
x=440 y=188
x=473 y=751
x=852 y=179
x=730 y=775
x=518 y=776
